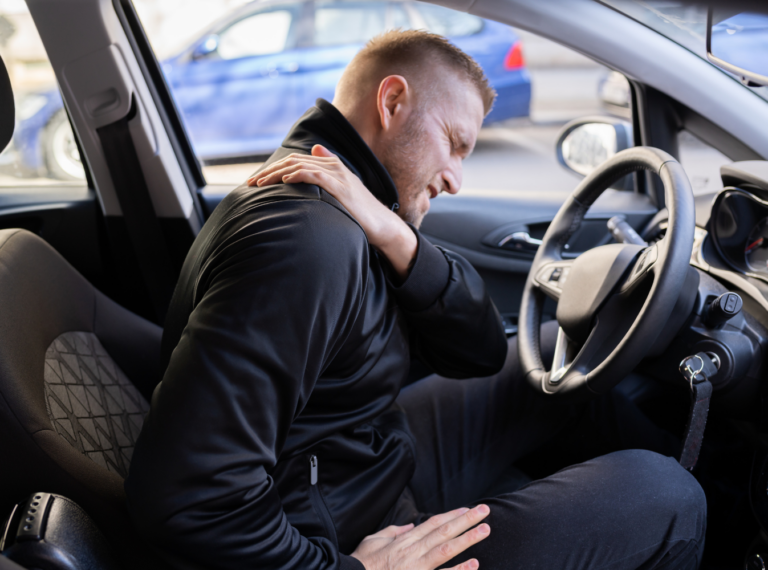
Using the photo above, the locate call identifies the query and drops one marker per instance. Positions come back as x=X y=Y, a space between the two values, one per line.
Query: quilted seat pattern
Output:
x=90 y=402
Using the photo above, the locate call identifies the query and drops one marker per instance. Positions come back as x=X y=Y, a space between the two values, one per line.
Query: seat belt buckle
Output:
x=696 y=370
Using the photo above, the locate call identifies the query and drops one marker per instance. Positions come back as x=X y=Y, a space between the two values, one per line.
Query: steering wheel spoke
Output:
x=563 y=357
x=552 y=276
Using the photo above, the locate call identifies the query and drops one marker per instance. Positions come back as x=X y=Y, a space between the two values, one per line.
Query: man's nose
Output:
x=452 y=179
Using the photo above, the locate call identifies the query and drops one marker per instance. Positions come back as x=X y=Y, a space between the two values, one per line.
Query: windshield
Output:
x=679 y=21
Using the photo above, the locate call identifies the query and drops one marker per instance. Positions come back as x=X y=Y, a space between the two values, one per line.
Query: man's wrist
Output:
x=398 y=243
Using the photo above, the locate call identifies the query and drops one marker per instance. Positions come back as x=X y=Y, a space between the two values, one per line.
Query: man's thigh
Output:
x=468 y=432
x=629 y=509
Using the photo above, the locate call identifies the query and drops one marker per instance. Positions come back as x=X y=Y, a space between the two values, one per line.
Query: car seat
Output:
x=76 y=372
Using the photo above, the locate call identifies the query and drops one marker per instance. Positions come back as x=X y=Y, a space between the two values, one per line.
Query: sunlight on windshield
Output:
x=679 y=21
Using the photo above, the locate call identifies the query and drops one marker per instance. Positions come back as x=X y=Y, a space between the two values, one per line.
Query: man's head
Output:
x=419 y=102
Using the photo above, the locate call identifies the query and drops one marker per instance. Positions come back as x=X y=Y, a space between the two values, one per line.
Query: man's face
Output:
x=424 y=155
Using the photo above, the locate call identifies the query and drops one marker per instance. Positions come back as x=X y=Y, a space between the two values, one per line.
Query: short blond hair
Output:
x=411 y=53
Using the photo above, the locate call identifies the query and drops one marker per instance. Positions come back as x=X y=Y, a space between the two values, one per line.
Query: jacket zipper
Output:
x=319 y=503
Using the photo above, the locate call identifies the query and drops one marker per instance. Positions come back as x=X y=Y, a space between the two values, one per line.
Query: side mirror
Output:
x=586 y=143
x=736 y=42
x=206 y=47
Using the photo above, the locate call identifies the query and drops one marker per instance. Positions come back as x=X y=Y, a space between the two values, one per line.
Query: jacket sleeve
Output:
x=270 y=312
x=453 y=324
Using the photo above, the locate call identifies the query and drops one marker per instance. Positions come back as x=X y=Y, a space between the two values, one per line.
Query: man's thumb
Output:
x=320 y=150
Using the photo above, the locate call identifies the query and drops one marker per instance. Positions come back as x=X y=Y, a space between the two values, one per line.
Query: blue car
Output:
x=242 y=84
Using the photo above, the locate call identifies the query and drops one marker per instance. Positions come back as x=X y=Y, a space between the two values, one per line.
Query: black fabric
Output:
x=7 y=108
x=625 y=509
x=134 y=346
x=285 y=340
x=138 y=212
x=693 y=436
x=43 y=297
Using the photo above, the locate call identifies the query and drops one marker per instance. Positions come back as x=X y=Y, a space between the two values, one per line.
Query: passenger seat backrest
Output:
x=68 y=412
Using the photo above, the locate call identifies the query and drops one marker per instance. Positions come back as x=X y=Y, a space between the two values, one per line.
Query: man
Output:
x=279 y=437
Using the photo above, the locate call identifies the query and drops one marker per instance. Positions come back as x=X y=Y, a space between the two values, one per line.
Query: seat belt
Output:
x=139 y=215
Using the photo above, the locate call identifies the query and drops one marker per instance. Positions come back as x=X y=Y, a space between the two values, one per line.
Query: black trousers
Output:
x=626 y=509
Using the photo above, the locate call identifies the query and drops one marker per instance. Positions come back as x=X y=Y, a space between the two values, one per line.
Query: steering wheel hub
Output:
x=593 y=277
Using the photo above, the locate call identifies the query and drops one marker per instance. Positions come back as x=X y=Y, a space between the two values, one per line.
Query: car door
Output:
x=239 y=87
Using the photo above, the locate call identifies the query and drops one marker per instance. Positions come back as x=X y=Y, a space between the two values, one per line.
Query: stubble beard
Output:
x=403 y=161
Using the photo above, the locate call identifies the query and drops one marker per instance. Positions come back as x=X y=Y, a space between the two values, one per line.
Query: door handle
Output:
x=283 y=68
x=292 y=67
x=520 y=241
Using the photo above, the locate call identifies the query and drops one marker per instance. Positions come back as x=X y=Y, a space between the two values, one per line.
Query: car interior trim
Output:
x=620 y=43
x=97 y=99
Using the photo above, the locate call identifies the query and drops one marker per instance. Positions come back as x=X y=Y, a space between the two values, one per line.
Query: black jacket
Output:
x=286 y=340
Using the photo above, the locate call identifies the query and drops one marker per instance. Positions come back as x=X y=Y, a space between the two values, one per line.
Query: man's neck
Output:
x=364 y=121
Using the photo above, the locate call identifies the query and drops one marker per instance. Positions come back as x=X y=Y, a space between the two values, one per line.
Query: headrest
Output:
x=7 y=108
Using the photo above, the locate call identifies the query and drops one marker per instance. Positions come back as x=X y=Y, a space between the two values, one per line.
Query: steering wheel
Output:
x=613 y=300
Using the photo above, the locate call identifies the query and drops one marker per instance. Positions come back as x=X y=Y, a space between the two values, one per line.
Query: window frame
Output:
x=163 y=99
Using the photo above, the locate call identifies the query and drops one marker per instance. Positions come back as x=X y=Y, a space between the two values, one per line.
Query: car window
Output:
x=449 y=23
x=343 y=23
x=237 y=114
x=398 y=17
x=43 y=151
x=260 y=34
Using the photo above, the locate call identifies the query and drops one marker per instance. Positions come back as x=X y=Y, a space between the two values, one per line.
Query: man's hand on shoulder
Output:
x=428 y=546
x=384 y=229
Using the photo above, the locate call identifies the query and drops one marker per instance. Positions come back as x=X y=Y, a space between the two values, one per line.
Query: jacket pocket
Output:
x=318 y=503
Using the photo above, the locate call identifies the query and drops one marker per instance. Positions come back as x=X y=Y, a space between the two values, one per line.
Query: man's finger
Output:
x=456 y=526
x=302 y=160
x=275 y=176
x=392 y=531
x=446 y=551
x=435 y=522
x=471 y=564
x=317 y=177
x=320 y=151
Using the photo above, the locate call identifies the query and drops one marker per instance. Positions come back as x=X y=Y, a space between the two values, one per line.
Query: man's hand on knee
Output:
x=427 y=546
x=384 y=229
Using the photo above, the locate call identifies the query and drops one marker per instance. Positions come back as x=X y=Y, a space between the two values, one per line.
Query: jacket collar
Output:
x=324 y=124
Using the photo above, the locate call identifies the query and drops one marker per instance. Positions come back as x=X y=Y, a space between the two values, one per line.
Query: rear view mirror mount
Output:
x=737 y=40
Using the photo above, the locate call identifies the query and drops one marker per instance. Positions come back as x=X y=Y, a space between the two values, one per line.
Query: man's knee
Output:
x=658 y=490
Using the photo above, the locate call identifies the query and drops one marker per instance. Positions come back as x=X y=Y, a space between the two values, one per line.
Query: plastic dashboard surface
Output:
x=739 y=230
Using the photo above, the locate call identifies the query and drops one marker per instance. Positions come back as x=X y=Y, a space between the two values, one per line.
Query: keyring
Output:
x=689 y=370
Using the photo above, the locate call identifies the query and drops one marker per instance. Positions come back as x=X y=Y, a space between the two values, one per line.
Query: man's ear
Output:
x=394 y=100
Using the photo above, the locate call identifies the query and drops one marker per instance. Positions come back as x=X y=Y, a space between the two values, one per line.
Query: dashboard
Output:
x=733 y=246
x=739 y=229
x=730 y=254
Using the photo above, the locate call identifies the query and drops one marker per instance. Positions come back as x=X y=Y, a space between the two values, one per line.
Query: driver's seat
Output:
x=76 y=372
